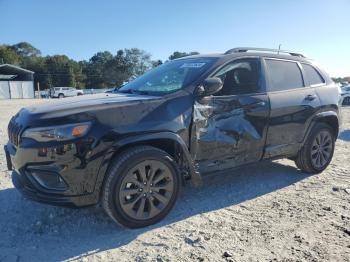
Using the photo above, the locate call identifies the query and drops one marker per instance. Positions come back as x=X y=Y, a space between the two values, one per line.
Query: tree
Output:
x=140 y=61
x=25 y=49
x=59 y=68
x=9 y=56
x=94 y=69
x=178 y=54
x=125 y=65
x=102 y=70
x=117 y=70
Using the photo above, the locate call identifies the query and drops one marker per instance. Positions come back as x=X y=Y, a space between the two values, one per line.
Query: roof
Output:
x=14 y=68
x=15 y=73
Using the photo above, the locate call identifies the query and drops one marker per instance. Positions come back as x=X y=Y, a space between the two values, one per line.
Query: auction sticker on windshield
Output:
x=192 y=65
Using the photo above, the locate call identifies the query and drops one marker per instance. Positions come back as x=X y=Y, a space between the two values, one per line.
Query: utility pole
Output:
x=38 y=85
x=279 y=49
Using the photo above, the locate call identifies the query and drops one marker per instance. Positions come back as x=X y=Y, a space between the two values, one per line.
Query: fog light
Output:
x=49 y=180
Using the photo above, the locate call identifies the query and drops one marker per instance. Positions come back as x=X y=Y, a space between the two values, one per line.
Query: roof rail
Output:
x=246 y=49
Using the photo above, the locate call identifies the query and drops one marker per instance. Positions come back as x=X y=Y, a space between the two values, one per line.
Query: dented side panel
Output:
x=228 y=131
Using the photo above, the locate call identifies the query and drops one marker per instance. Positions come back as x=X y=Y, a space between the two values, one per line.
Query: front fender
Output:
x=145 y=138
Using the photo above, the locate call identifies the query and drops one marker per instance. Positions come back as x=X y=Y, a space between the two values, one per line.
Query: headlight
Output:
x=57 y=133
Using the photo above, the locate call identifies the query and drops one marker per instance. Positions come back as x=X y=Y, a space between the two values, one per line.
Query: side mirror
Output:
x=210 y=86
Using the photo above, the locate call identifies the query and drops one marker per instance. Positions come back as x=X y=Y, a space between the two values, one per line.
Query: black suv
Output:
x=131 y=150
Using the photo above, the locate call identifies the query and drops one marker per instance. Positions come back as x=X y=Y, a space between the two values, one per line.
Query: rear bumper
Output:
x=28 y=190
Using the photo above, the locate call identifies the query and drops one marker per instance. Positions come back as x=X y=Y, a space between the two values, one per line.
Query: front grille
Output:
x=13 y=131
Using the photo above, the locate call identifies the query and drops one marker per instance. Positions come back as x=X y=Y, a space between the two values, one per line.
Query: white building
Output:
x=16 y=82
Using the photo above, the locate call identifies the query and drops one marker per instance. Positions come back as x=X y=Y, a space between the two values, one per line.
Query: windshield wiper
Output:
x=133 y=91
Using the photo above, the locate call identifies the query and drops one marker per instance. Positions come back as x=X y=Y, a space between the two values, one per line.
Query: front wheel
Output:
x=317 y=153
x=141 y=187
x=61 y=96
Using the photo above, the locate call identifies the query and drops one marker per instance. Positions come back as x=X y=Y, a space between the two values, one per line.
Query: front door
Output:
x=229 y=128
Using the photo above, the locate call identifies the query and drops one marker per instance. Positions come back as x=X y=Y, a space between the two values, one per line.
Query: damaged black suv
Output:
x=132 y=150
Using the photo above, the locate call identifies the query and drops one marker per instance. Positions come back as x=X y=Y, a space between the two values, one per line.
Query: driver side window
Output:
x=240 y=77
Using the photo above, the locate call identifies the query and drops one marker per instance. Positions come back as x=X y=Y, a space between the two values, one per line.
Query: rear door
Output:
x=229 y=128
x=293 y=103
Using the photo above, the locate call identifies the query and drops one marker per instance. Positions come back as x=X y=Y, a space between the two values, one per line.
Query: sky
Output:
x=80 y=28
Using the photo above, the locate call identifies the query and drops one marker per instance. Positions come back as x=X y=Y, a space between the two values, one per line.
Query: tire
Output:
x=61 y=96
x=147 y=203
x=313 y=158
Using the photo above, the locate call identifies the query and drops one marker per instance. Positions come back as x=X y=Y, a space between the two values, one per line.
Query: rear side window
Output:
x=312 y=76
x=283 y=75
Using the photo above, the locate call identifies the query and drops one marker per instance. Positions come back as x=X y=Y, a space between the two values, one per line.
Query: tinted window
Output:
x=239 y=77
x=283 y=75
x=312 y=76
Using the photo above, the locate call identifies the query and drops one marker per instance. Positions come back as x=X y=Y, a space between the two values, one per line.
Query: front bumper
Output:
x=69 y=163
x=29 y=191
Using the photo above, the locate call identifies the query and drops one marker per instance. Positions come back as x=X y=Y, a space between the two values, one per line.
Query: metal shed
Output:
x=16 y=82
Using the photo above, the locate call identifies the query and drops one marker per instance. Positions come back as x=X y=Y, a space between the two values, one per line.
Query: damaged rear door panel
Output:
x=229 y=130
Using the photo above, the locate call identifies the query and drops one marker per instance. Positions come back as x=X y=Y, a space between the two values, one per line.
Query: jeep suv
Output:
x=132 y=150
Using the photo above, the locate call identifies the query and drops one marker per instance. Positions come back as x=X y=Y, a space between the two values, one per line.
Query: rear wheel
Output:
x=61 y=96
x=317 y=153
x=141 y=187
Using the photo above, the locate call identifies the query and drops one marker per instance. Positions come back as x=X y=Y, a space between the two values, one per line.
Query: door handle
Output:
x=310 y=97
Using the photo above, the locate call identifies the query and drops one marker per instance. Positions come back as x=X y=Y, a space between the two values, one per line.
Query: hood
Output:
x=82 y=108
x=123 y=113
x=80 y=104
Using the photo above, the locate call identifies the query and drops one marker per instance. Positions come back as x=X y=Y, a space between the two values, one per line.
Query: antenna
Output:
x=279 y=48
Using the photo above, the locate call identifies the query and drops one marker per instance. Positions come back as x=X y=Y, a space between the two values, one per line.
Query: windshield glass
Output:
x=169 y=77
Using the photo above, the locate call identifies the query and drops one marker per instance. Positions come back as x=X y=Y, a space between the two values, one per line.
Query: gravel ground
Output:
x=265 y=212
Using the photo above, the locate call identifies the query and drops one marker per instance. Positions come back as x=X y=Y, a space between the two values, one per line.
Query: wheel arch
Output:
x=328 y=117
x=166 y=141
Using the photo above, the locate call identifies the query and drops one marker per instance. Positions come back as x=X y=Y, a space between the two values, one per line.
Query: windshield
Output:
x=169 y=77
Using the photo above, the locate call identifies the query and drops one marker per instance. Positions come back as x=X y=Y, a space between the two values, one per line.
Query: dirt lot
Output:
x=267 y=212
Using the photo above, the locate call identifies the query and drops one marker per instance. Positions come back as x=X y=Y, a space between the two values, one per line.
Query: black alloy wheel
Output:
x=146 y=189
x=141 y=186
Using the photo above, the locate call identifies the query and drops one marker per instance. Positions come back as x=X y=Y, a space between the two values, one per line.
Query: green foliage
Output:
x=102 y=70
x=106 y=70
x=9 y=56
x=94 y=69
x=25 y=49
